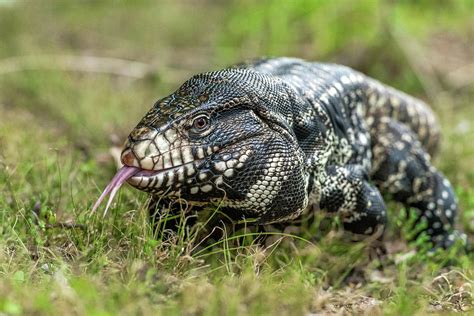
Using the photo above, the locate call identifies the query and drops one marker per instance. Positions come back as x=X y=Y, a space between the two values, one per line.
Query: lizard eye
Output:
x=200 y=123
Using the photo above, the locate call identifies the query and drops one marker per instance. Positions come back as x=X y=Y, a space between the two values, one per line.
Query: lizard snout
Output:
x=156 y=150
x=128 y=158
x=140 y=150
x=140 y=154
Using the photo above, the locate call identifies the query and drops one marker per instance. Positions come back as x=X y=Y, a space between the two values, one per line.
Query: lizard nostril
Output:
x=129 y=158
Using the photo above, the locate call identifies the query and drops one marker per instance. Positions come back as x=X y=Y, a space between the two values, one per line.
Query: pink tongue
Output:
x=114 y=185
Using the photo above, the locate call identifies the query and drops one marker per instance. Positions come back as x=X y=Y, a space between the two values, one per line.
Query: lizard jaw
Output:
x=142 y=179
x=163 y=178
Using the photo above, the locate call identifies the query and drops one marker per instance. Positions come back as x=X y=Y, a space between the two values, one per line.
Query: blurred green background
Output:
x=75 y=78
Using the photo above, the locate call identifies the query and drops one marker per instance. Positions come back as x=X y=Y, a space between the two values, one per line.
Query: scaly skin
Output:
x=273 y=138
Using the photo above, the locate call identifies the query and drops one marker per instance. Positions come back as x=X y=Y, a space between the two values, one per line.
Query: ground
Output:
x=75 y=79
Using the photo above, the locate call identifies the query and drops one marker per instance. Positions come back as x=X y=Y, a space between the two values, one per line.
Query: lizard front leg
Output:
x=345 y=190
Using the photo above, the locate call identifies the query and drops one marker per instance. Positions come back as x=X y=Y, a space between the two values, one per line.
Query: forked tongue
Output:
x=114 y=185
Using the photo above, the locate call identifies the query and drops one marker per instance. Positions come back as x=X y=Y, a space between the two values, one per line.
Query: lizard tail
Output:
x=385 y=101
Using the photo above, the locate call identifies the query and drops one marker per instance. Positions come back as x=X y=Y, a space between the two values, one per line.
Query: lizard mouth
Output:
x=124 y=174
x=134 y=176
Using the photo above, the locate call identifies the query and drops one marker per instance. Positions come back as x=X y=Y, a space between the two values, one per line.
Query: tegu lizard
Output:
x=272 y=138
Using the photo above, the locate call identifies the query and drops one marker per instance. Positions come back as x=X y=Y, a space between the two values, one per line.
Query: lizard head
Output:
x=222 y=136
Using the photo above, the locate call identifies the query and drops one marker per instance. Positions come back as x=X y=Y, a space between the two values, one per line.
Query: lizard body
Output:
x=272 y=138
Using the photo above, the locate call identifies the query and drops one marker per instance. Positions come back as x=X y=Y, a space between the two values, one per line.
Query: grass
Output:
x=57 y=124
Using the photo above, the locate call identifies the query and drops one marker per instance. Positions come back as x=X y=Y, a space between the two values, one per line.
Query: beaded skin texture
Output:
x=273 y=138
